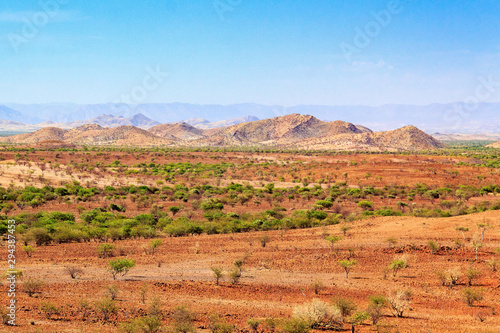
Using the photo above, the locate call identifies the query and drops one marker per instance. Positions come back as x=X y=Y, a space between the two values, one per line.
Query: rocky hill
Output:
x=293 y=131
x=277 y=131
x=494 y=145
x=178 y=131
x=93 y=134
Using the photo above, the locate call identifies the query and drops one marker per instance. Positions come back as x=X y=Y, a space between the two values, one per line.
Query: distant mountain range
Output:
x=443 y=118
x=106 y=120
x=293 y=131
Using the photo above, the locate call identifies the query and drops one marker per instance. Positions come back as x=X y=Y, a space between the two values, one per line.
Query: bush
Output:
x=218 y=274
x=120 y=267
x=29 y=250
x=374 y=310
x=397 y=264
x=32 y=286
x=254 y=324
x=40 y=235
x=317 y=313
x=220 y=325
x=106 y=307
x=49 y=309
x=472 y=274
x=235 y=275
x=493 y=264
x=470 y=296
x=74 y=271
x=433 y=246
x=347 y=265
x=154 y=244
x=366 y=205
x=295 y=325
x=183 y=320
x=264 y=240
x=112 y=291
x=398 y=302
x=345 y=306
x=105 y=250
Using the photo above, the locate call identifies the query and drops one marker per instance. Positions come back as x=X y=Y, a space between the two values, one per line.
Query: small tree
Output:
x=120 y=266
x=105 y=250
x=238 y=263
x=254 y=324
x=154 y=244
x=483 y=227
x=472 y=274
x=398 y=302
x=433 y=246
x=32 y=286
x=234 y=275
x=374 y=310
x=106 y=307
x=174 y=210
x=74 y=271
x=183 y=320
x=476 y=243
x=50 y=309
x=332 y=240
x=397 y=264
x=392 y=241
x=345 y=306
x=317 y=286
x=220 y=325
x=29 y=250
x=347 y=265
x=345 y=229
x=463 y=230
x=112 y=291
x=144 y=290
x=493 y=264
x=470 y=296
x=264 y=240
x=218 y=274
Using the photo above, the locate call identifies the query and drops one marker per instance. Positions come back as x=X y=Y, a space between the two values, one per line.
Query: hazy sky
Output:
x=234 y=51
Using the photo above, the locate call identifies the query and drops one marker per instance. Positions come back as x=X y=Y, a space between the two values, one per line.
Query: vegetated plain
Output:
x=299 y=240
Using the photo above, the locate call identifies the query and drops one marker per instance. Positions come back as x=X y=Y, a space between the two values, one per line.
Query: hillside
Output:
x=289 y=132
x=277 y=131
x=494 y=145
x=92 y=135
x=178 y=131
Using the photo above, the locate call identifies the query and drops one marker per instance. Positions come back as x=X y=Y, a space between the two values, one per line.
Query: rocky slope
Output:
x=93 y=134
x=293 y=131
x=178 y=131
x=494 y=145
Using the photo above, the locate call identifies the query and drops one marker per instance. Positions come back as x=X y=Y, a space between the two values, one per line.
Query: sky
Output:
x=321 y=52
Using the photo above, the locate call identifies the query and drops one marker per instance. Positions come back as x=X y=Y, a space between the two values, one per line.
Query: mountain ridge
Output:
x=287 y=132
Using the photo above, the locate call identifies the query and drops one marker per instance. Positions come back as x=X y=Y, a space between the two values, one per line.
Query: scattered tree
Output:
x=74 y=271
x=218 y=274
x=398 y=302
x=347 y=265
x=333 y=240
x=470 y=295
x=397 y=264
x=120 y=266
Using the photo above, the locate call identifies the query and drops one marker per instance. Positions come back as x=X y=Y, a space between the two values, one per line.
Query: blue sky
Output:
x=237 y=51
